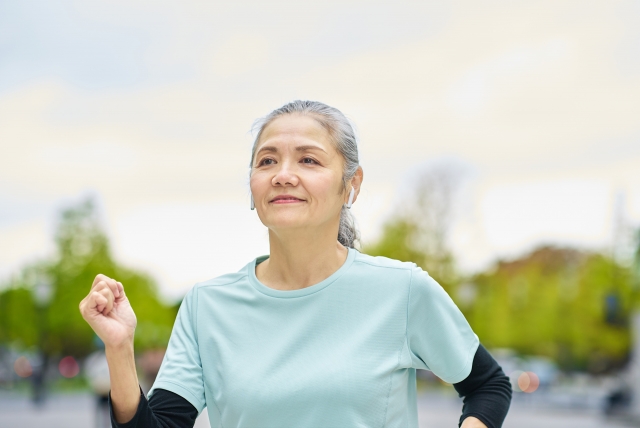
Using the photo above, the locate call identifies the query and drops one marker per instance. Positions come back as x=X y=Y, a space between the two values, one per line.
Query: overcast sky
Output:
x=148 y=107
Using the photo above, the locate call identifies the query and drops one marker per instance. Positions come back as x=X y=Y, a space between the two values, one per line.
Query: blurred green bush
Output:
x=568 y=304
x=39 y=305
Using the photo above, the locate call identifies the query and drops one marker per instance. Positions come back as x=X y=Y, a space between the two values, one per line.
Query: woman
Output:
x=316 y=334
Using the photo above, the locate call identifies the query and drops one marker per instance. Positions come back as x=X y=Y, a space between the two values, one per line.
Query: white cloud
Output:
x=515 y=214
x=239 y=54
x=502 y=75
x=531 y=95
x=22 y=243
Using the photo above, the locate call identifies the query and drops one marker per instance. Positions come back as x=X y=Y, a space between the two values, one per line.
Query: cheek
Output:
x=257 y=184
x=328 y=191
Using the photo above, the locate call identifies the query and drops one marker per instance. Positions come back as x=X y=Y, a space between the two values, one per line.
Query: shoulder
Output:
x=384 y=263
x=217 y=283
x=222 y=280
x=385 y=270
x=419 y=280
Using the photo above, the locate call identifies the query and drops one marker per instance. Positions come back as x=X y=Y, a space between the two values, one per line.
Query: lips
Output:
x=286 y=198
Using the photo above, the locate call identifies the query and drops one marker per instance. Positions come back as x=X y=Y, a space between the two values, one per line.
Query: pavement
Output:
x=435 y=411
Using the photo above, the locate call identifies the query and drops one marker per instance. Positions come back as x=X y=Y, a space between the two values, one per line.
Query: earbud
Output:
x=350 y=199
x=253 y=205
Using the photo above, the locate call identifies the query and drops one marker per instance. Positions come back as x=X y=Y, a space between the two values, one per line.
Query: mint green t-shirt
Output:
x=340 y=353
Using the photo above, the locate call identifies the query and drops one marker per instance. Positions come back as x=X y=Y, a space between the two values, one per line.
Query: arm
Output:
x=473 y=422
x=164 y=409
x=124 y=396
x=107 y=310
x=487 y=393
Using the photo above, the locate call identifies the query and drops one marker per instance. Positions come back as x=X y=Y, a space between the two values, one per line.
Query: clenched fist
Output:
x=107 y=310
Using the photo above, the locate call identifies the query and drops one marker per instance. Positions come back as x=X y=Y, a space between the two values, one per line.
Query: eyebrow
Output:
x=298 y=149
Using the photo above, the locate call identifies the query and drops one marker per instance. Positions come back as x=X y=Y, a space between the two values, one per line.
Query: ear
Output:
x=356 y=182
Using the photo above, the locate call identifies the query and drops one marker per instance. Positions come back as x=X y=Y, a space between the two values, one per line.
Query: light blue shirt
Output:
x=340 y=353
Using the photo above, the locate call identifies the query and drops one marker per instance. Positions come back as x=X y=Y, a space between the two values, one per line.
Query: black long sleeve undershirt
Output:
x=165 y=409
x=486 y=392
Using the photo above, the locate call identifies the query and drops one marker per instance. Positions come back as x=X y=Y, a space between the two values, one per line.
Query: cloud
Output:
x=515 y=214
x=485 y=81
x=239 y=54
x=149 y=104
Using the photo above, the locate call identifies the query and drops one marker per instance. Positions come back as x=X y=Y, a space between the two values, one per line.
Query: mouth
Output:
x=286 y=199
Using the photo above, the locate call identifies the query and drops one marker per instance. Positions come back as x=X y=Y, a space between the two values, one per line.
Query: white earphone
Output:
x=253 y=205
x=350 y=199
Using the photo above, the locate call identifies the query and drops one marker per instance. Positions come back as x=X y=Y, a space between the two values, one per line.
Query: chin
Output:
x=286 y=222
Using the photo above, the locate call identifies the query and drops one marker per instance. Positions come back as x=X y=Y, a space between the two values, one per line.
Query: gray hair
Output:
x=344 y=139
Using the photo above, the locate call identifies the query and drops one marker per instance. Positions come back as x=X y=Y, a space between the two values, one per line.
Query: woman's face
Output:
x=296 y=175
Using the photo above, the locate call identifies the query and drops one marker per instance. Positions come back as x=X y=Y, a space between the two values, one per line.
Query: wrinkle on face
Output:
x=284 y=147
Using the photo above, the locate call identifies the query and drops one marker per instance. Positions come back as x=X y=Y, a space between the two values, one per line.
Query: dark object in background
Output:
x=618 y=401
x=103 y=417
x=38 y=386
x=96 y=370
x=613 y=312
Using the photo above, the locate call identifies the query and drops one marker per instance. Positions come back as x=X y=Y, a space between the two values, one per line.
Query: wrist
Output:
x=125 y=390
x=124 y=347
x=472 y=422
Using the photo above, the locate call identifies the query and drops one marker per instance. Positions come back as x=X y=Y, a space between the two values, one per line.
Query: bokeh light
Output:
x=69 y=367
x=22 y=366
x=528 y=382
x=513 y=377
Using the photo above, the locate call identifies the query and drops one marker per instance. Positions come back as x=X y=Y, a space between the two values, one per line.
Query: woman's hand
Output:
x=107 y=310
x=472 y=422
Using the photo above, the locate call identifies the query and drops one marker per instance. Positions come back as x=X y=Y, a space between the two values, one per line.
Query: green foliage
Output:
x=398 y=241
x=18 y=318
x=636 y=269
x=553 y=302
x=570 y=305
x=55 y=324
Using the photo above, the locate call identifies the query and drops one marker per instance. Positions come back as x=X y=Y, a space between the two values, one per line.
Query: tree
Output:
x=40 y=306
x=556 y=302
x=418 y=232
x=18 y=318
x=568 y=304
x=636 y=269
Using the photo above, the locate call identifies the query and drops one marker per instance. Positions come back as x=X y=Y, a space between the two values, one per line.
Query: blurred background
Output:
x=500 y=142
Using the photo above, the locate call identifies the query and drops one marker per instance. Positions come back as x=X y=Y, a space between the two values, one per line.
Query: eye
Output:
x=265 y=161
x=309 y=161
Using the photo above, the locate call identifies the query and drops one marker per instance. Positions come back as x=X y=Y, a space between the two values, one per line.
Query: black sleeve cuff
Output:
x=487 y=391
x=133 y=423
x=164 y=409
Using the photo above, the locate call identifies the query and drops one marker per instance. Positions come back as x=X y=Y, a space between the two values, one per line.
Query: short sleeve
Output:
x=438 y=335
x=181 y=368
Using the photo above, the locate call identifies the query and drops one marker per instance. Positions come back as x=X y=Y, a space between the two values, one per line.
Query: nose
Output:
x=285 y=175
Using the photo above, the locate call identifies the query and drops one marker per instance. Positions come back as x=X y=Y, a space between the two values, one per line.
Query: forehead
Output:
x=293 y=128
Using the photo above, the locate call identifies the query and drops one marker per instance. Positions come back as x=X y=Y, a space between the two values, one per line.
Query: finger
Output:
x=99 y=277
x=97 y=301
x=111 y=285
x=120 y=289
x=83 y=305
x=108 y=294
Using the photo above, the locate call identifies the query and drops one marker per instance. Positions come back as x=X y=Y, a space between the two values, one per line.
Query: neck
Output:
x=300 y=259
